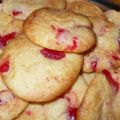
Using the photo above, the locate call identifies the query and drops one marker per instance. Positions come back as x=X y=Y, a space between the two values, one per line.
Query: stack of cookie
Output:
x=59 y=61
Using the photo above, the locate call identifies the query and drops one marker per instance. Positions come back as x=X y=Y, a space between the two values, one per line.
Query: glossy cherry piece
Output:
x=111 y=81
x=5 y=39
x=72 y=113
x=4 y=67
x=52 y=54
x=15 y=12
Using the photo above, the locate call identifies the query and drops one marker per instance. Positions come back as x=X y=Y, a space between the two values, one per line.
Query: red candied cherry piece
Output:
x=58 y=31
x=112 y=82
x=29 y=113
x=52 y=54
x=4 y=39
x=4 y=67
x=115 y=57
x=72 y=113
x=74 y=45
x=16 y=12
x=94 y=65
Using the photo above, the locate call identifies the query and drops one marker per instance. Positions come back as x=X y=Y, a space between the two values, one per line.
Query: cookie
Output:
x=86 y=8
x=63 y=108
x=38 y=74
x=106 y=53
x=113 y=77
x=33 y=112
x=21 y=9
x=96 y=102
x=63 y=30
x=113 y=16
x=10 y=105
x=9 y=29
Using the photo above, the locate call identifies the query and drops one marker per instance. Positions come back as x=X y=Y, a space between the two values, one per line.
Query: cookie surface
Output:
x=38 y=74
x=106 y=53
x=33 y=112
x=63 y=30
x=96 y=103
x=63 y=108
x=9 y=29
x=10 y=105
x=113 y=77
x=21 y=9
x=85 y=8
x=113 y=16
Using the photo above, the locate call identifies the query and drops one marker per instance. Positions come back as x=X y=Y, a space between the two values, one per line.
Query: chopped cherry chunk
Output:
x=72 y=113
x=16 y=12
x=5 y=39
x=74 y=45
x=115 y=57
x=52 y=54
x=112 y=82
x=4 y=67
x=94 y=65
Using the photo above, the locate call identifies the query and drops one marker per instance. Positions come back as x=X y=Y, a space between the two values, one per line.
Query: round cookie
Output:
x=86 y=8
x=10 y=105
x=113 y=16
x=63 y=108
x=38 y=74
x=21 y=9
x=96 y=102
x=63 y=30
x=33 y=112
x=9 y=29
x=106 y=53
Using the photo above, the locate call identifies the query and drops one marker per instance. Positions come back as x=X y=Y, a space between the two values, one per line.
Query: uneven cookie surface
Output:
x=98 y=97
x=33 y=112
x=38 y=74
x=85 y=8
x=63 y=108
x=9 y=29
x=106 y=53
x=63 y=30
x=10 y=105
x=113 y=16
x=21 y=9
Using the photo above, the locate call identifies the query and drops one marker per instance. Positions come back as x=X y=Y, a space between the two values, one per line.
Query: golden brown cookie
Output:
x=21 y=9
x=38 y=74
x=86 y=8
x=33 y=112
x=59 y=30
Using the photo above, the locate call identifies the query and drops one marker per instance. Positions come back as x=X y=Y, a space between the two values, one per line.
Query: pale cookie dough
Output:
x=10 y=105
x=21 y=9
x=85 y=8
x=96 y=103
